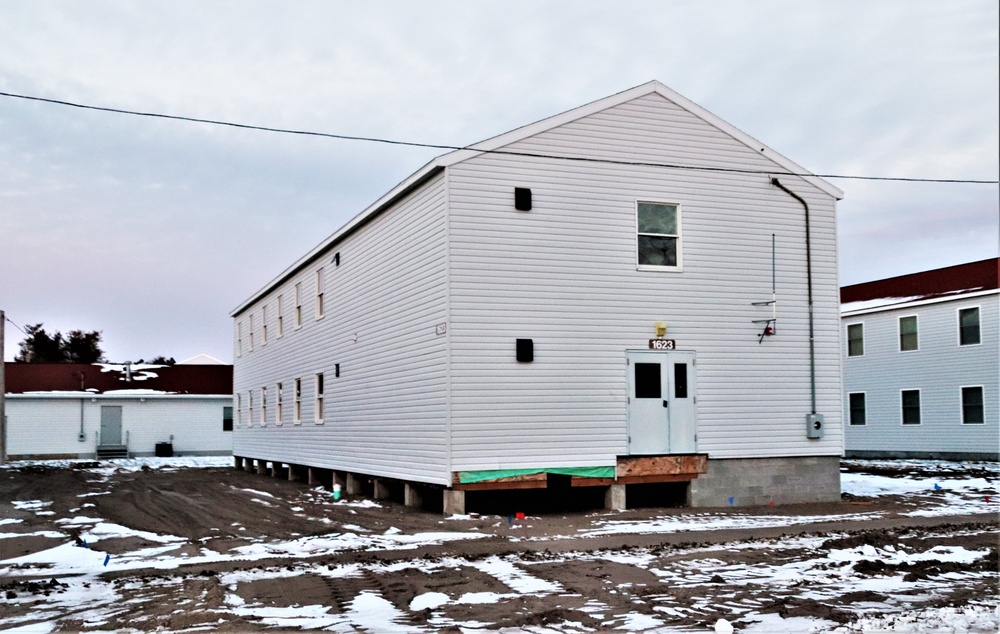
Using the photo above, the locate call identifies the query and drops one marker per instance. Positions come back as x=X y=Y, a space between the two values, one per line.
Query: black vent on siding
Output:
x=336 y=259
x=336 y=369
x=525 y=350
x=522 y=199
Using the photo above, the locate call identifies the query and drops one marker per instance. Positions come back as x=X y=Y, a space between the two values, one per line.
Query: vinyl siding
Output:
x=387 y=412
x=50 y=425
x=564 y=274
x=939 y=368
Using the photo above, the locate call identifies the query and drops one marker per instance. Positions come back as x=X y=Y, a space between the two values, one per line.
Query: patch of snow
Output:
x=370 y=611
x=428 y=600
x=513 y=577
x=30 y=505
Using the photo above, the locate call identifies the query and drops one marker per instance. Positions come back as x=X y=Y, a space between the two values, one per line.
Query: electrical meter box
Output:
x=814 y=425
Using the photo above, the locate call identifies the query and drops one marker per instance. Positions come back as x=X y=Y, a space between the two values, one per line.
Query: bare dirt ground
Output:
x=250 y=552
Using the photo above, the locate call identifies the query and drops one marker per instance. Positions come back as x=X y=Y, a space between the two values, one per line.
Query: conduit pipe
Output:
x=809 y=285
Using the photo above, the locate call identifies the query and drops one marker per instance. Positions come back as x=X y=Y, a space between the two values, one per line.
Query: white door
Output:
x=661 y=403
x=111 y=425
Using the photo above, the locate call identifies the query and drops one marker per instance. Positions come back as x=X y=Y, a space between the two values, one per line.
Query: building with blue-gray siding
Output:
x=922 y=364
x=630 y=292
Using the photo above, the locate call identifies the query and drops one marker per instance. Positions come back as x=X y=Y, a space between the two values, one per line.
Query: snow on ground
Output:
x=827 y=575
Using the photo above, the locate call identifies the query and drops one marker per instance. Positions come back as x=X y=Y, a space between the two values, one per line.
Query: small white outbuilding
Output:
x=633 y=291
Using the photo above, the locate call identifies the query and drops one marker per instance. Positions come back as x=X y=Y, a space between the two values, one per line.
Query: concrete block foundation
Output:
x=760 y=481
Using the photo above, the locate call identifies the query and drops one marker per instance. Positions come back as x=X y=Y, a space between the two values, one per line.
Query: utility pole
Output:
x=3 y=391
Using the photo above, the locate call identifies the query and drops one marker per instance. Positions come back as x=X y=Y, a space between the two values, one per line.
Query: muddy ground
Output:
x=554 y=570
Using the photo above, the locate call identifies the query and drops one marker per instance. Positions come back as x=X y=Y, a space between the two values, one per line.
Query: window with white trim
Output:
x=279 y=405
x=250 y=408
x=968 y=326
x=250 y=328
x=281 y=318
x=972 y=405
x=910 y=404
x=857 y=409
x=319 y=398
x=298 y=305
x=297 y=403
x=239 y=338
x=658 y=240
x=263 y=325
x=263 y=407
x=227 y=418
x=320 y=289
x=855 y=340
x=239 y=409
x=908 y=337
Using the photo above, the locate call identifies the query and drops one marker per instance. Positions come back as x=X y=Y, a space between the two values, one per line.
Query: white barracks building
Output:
x=631 y=292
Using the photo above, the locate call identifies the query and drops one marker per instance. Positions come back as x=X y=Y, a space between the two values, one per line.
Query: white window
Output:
x=319 y=398
x=968 y=327
x=278 y=408
x=263 y=325
x=856 y=404
x=319 y=293
x=298 y=305
x=297 y=404
x=658 y=240
x=855 y=340
x=281 y=318
x=239 y=338
x=263 y=407
x=908 y=339
x=239 y=409
x=250 y=408
x=910 y=403
x=972 y=405
x=251 y=332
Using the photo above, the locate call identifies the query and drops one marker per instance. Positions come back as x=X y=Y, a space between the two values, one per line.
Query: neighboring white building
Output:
x=490 y=322
x=105 y=410
x=922 y=364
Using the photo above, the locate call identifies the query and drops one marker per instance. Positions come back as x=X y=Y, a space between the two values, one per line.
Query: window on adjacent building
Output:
x=972 y=405
x=319 y=398
x=908 y=333
x=281 y=318
x=263 y=407
x=857 y=408
x=658 y=240
x=227 y=419
x=279 y=405
x=263 y=325
x=297 y=404
x=855 y=340
x=320 y=288
x=910 y=400
x=298 y=305
x=968 y=326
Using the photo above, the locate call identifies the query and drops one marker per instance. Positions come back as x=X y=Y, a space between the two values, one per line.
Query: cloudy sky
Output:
x=152 y=230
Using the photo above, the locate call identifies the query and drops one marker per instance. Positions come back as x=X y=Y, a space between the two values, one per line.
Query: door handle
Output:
x=665 y=404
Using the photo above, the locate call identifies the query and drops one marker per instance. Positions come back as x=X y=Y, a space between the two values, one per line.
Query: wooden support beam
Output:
x=661 y=465
x=603 y=482
x=531 y=481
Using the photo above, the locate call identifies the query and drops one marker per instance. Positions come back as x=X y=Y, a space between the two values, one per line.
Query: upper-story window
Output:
x=968 y=326
x=659 y=234
x=855 y=340
x=320 y=283
x=239 y=409
x=908 y=333
x=298 y=305
x=263 y=325
x=281 y=317
x=239 y=338
x=251 y=332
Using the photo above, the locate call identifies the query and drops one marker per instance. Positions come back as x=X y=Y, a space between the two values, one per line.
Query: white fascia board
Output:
x=379 y=205
x=915 y=303
x=549 y=123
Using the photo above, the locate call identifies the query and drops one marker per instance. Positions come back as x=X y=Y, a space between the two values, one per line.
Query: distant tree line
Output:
x=76 y=346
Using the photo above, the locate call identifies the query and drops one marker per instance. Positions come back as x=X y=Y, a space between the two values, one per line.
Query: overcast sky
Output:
x=151 y=230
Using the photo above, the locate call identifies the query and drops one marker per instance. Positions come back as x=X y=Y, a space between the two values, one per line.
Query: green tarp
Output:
x=466 y=477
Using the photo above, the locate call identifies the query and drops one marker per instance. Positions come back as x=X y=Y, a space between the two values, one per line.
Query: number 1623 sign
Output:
x=662 y=344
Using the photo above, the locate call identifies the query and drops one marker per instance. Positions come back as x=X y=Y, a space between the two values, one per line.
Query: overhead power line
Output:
x=348 y=137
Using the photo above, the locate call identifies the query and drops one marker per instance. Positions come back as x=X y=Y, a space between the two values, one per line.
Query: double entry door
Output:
x=661 y=402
